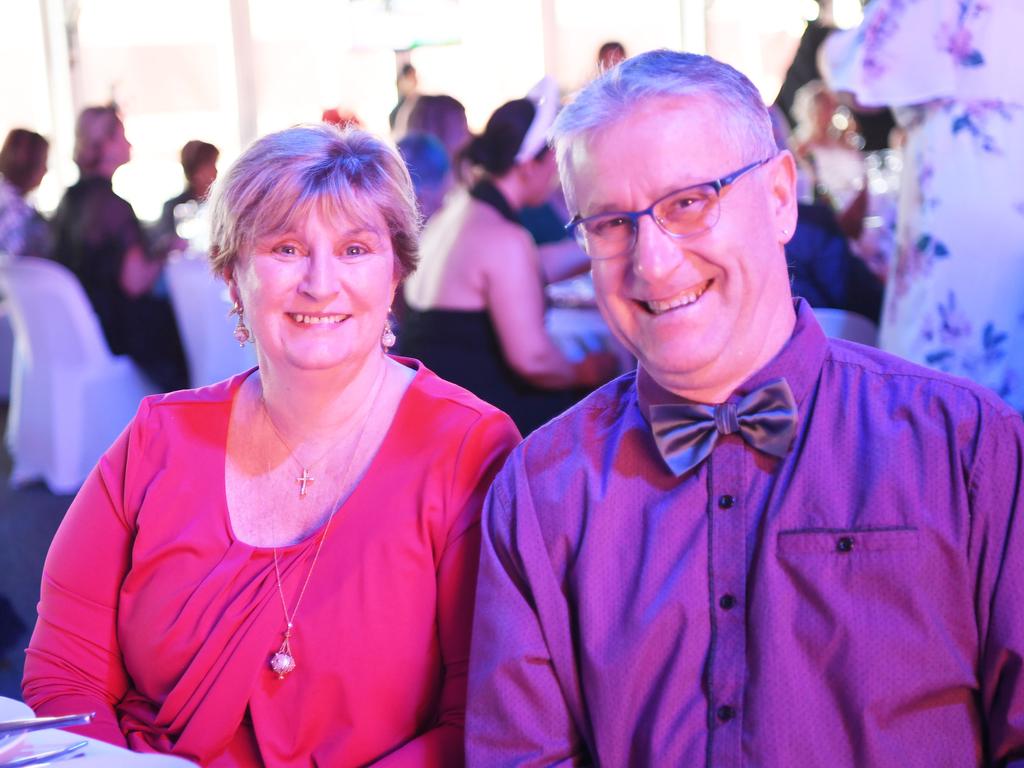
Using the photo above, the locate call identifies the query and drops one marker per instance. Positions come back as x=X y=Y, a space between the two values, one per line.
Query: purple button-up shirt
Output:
x=858 y=603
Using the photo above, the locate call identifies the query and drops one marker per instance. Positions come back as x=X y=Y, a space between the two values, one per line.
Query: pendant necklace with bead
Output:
x=282 y=662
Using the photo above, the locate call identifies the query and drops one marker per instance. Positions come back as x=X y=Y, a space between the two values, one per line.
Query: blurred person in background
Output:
x=823 y=268
x=874 y=124
x=950 y=69
x=23 y=232
x=407 y=84
x=98 y=237
x=476 y=305
x=610 y=54
x=199 y=162
x=443 y=117
x=430 y=169
x=827 y=146
x=196 y=596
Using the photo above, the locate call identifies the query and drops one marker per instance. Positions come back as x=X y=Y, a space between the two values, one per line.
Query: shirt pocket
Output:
x=846 y=543
x=854 y=599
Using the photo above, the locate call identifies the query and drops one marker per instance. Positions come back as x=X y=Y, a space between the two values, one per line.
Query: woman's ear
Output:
x=228 y=275
x=396 y=282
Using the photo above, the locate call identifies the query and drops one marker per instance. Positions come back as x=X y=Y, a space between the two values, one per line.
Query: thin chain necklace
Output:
x=282 y=662
x=305 y=479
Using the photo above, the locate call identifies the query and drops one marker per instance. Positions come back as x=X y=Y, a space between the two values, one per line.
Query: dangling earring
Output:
x=241 y=332
x=387 y=339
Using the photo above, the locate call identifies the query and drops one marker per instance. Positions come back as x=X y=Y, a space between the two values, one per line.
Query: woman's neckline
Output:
x=384 y=447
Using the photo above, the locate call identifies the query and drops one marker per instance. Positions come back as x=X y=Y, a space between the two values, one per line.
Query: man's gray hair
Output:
x=665 y=74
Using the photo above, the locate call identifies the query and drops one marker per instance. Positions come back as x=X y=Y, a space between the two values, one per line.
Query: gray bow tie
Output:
x=686 y=432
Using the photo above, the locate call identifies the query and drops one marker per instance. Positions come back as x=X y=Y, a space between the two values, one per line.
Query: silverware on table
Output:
x=45 y=757
x=12 y=727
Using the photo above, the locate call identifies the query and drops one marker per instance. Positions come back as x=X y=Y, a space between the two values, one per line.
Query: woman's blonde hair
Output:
x=281 y=177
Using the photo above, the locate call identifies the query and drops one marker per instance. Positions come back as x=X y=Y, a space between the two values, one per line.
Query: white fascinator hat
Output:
x=544 y=96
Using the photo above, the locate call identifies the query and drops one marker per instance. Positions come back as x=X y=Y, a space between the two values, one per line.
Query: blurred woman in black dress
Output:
x=476 y=304
x=99 y=238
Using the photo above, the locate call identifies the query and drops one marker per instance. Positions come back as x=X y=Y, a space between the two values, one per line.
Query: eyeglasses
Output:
x=680 y=214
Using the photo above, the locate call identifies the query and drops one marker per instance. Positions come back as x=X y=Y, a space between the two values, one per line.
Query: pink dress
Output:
x=157 y=617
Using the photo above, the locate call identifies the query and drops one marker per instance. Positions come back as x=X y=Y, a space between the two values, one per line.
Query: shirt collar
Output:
x=798 y=362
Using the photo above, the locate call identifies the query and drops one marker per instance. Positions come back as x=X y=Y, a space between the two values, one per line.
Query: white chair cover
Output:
x=70 y=397
x=6 y=343
x=201 y=306
x=840 y=324
x=6 y=350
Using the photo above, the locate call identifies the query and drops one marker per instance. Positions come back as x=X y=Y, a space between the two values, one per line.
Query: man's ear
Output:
x=782 y=194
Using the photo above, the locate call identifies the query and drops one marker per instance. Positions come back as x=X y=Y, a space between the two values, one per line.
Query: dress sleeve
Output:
x=518 y=713
x=998 y=536
x=480 y=456
x=73 y=662
x=880 y=61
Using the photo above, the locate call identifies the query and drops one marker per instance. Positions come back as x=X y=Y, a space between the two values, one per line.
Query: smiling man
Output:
x=763 y=548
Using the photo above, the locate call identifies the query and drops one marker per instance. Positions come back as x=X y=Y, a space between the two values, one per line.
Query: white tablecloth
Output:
x=97 y=754
x=580 y=330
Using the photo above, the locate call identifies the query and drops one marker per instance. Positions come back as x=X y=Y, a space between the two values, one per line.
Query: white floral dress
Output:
x=954 y=72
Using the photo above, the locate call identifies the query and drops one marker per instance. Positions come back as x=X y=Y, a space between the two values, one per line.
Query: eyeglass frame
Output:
x=634 y=216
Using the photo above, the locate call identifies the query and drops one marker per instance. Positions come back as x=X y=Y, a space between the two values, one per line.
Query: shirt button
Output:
x=726 y=501
x=727 y=601
x=845 y=544
x=725 y=713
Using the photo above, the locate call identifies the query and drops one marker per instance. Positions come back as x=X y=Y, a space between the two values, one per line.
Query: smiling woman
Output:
x=288 y=284
x=281 y=566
